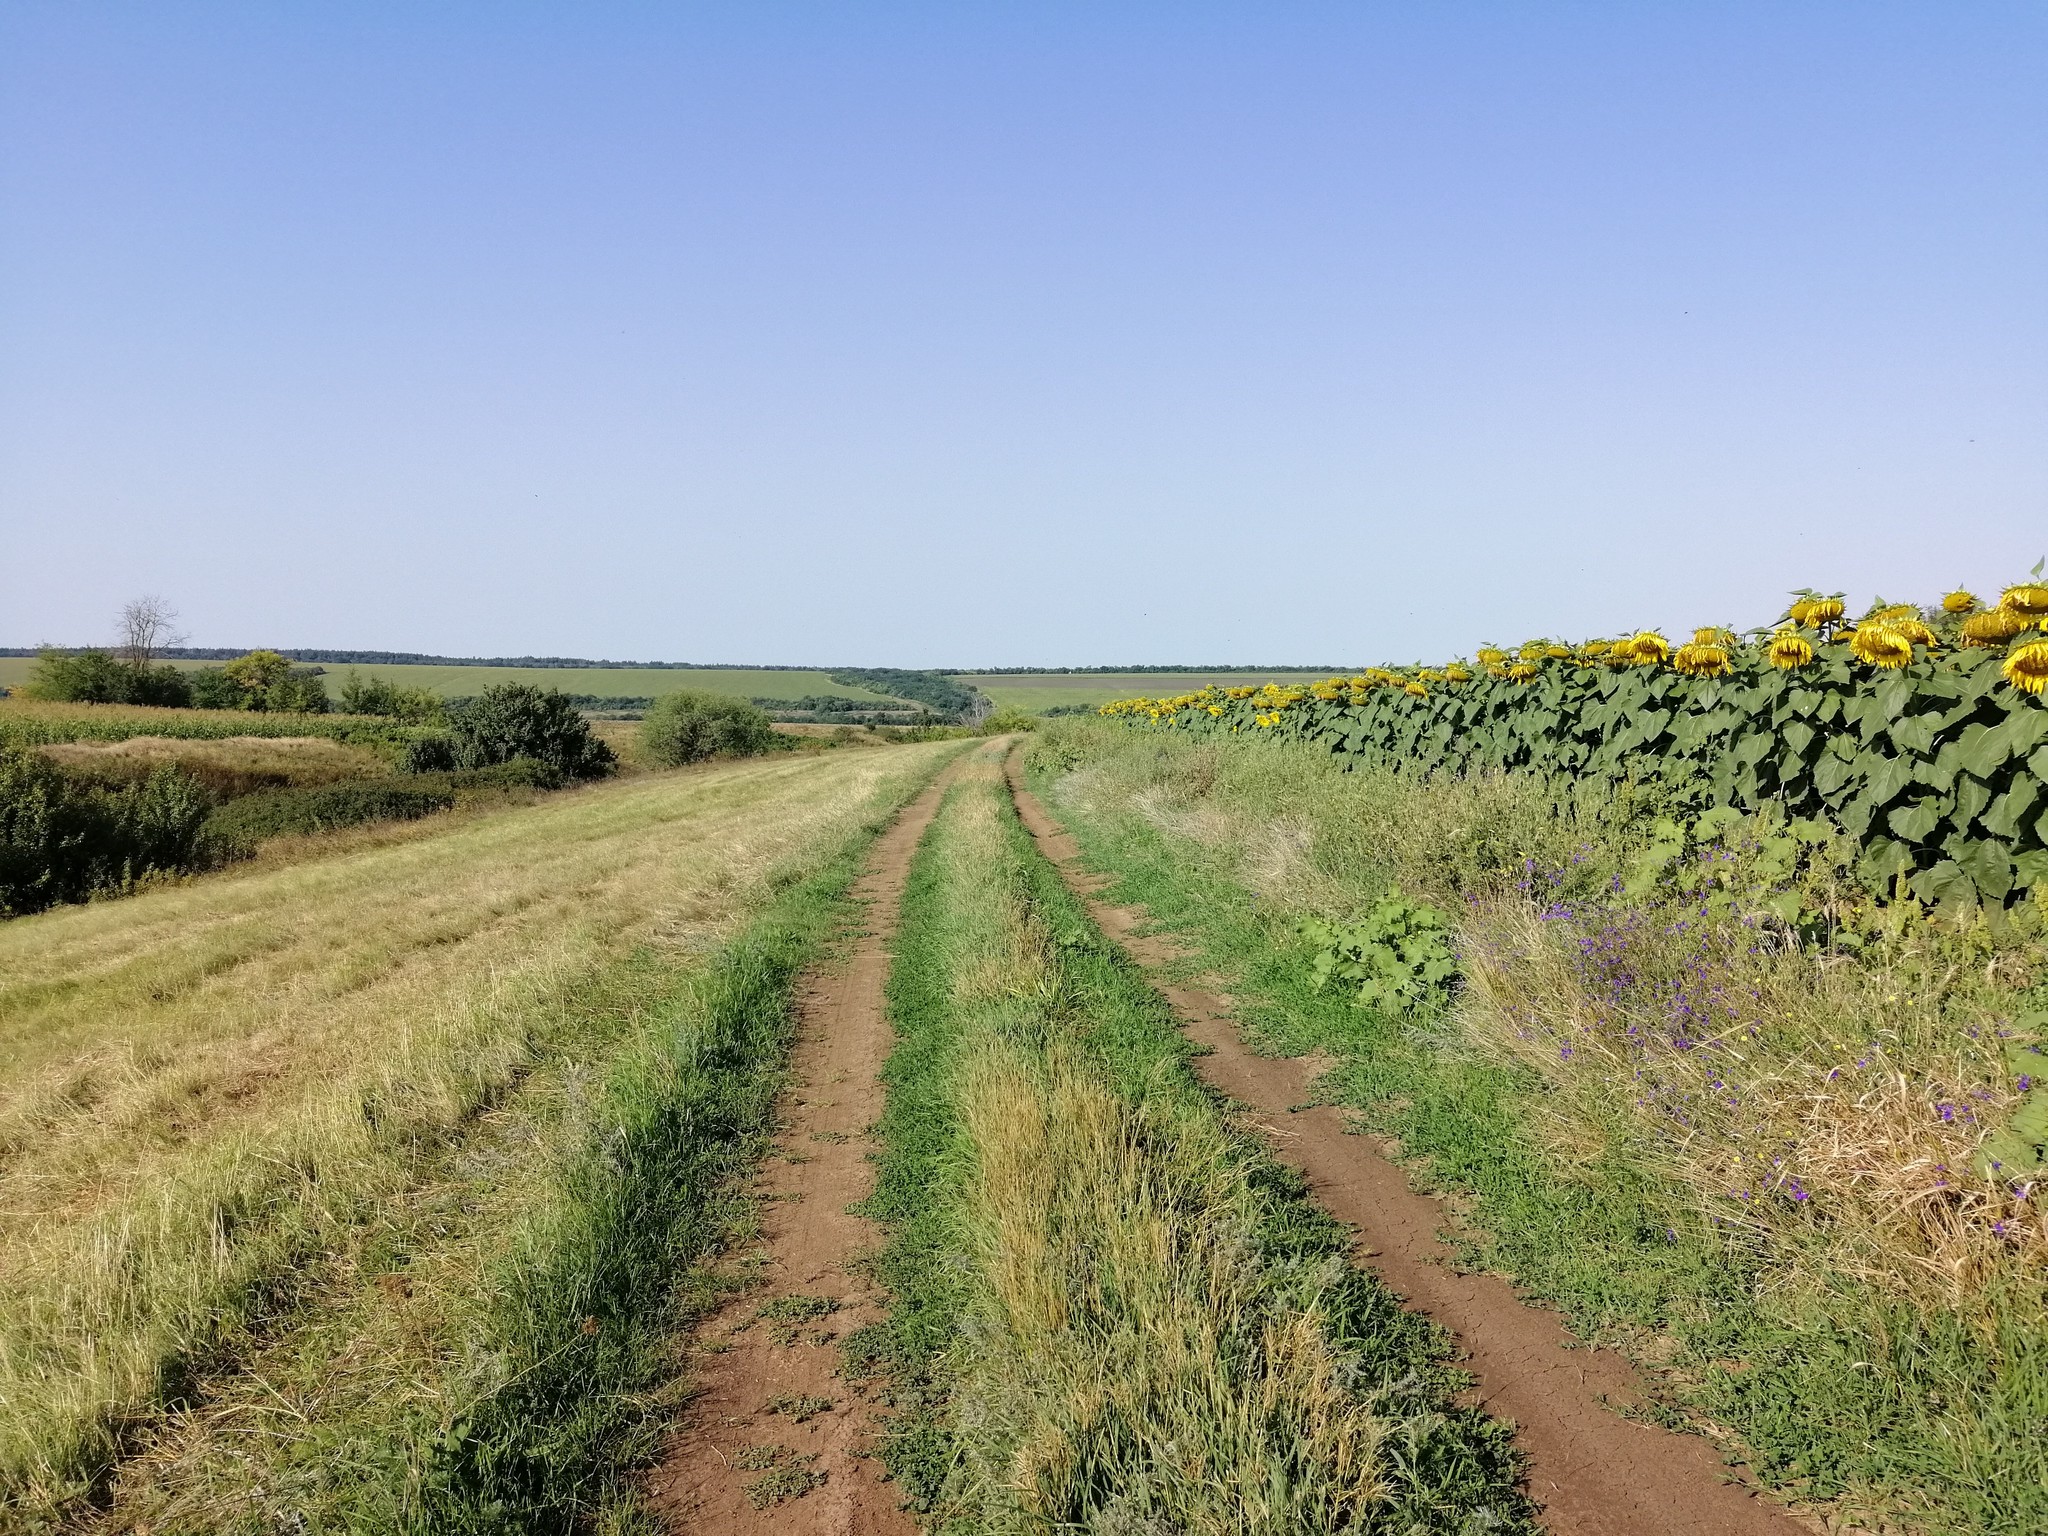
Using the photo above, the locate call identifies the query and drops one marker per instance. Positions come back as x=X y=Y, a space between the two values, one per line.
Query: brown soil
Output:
x=772 y=1422
x=1594 y=1472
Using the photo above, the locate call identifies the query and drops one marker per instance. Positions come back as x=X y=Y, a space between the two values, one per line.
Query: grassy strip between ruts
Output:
x=1114 y=1311
x=484 y=1350
x=1893 y=1403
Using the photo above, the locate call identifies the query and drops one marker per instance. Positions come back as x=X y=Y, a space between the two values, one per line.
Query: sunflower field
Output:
x=1922 y=732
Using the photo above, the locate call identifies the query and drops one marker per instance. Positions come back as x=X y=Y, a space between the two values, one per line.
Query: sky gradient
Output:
x=1008 y=334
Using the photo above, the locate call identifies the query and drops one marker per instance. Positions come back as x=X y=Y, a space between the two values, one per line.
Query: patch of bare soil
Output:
x=775 y=1439
x=1594 y=1472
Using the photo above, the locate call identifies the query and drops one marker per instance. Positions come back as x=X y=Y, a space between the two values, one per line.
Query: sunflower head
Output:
x=1649 y=648
x=2027 y=667
x=1959 y=601
x=1993 y=627
x=1416 y=690
x=1886 y=612
x=2029 y=597
x=1881 y=645
x=1457 y=672
x=1699 y=659
x=1789 y=650
x=1812 y=608
x=1492 y=656
x=1533 y=650
x=1522 y=671
x=1596 y=648
x=1913 y=629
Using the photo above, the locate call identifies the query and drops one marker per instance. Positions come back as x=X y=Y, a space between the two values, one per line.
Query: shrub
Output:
x=687 y=727
x=240 y=825
x=62 y=840
x=213 y=689
x=429 y=754
x=95 y=677
x=1007 y=719
x=375 y=696
x=513 y=720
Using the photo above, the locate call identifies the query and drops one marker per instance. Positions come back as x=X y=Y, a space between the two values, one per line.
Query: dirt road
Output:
x=774 y=1438
x=1594 y=1472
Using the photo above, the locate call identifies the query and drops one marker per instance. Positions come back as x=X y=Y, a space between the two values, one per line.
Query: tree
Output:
x=148 y=626
x=687 y=727
x=514 y=720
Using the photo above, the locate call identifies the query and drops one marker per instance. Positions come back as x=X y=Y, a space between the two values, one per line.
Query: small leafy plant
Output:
x=1398 y=955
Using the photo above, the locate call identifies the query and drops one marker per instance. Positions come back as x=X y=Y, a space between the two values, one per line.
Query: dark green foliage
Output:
x=434 y=752
x=374 y=696
x=1396 y=958
x=1939 y=769
x=518 y=720
x=934 y=690
x=95 y=677
x=212 y=689
x=63 y=839
x=687 y=727
x=241 y=824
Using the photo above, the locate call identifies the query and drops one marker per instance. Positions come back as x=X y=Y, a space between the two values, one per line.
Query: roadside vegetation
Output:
x=358 y=1193
x=96 y=803
x=1684 y=1074
x=688 y=727
x=1113 y=1311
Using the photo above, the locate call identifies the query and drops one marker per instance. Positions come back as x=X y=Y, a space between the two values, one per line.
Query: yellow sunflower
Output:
x=1648 y=648
x=1416 y=690
x=1492 y=656
x=1522 y=671
x=2027 y=667
x=1699 y=659
x=1815 y=609
x=1457 y=673
x=2029 y=597
x=1993 y=627
x=1881 y=645
x=1789 y=650
x=1959 y=601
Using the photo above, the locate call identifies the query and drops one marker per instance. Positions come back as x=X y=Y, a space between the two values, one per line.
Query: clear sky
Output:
x=1007 y=333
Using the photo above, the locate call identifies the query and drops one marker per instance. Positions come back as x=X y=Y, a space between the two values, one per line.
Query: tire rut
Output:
x=1594 y=1472
x=774 y=1439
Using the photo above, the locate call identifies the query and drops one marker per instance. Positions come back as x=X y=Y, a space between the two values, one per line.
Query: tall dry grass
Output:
x=202 y=1088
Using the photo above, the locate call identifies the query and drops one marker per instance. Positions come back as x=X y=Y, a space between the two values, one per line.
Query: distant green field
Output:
x=631 y=682
x=1035 y=691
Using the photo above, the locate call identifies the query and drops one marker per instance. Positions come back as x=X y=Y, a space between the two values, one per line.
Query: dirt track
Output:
x=770 y=1403
x=1594 y=1472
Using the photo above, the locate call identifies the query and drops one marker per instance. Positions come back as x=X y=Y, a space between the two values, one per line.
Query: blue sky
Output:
x=1000 y=334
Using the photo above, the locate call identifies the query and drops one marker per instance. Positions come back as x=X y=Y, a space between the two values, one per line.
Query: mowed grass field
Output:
x=289 y=1146
x=610 y=682
x=1034 y=692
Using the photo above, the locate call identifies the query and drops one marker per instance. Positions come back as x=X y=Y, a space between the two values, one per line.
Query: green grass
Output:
x=1842 y=1380
x=1095 y=1271
x=633 y=682
x=1037 y=691
x=319 y=1177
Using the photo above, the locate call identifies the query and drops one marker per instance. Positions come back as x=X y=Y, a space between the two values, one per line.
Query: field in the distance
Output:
x=604 y=682
x=1034 y=692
